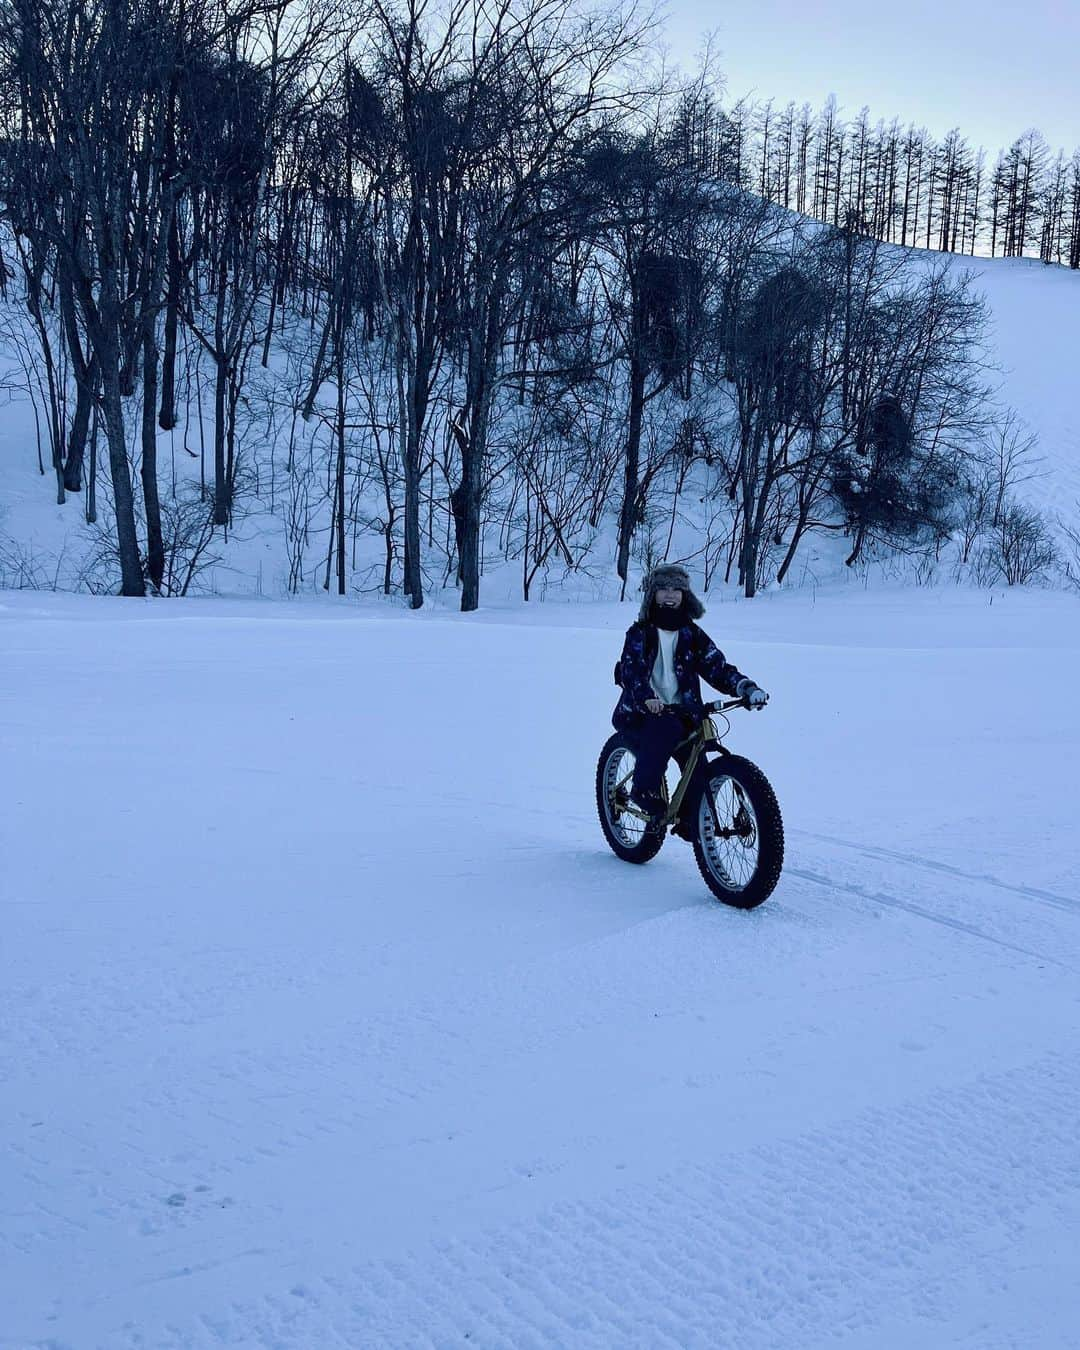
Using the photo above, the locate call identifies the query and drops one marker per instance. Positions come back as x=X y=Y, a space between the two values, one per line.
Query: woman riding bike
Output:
x=664 y=658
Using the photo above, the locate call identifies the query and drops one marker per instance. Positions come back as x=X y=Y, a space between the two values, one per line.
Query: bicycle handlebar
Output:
x=721 y=705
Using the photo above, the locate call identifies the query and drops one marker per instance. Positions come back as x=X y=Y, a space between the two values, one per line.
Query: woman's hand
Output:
x=654 y=705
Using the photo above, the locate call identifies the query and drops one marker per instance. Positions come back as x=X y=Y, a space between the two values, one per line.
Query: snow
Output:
x=1035 y=334
x=330 y=1021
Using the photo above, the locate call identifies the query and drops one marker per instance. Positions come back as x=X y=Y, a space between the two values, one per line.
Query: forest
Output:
x=439 y=288
x=900 y=183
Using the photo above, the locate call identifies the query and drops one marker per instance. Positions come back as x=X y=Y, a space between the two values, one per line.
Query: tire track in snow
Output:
x=893 y=902
x=1063 y=902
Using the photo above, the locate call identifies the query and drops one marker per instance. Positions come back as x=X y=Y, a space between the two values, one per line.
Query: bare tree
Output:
x=89 y=162
x=1022 y=548
x=1010 y=451
x=648 y=209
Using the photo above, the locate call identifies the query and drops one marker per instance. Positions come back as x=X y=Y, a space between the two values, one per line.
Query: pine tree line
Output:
x=899 y=184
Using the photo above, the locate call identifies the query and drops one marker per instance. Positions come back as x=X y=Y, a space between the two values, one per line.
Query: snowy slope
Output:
x=1035 y=339
x=330 y=1022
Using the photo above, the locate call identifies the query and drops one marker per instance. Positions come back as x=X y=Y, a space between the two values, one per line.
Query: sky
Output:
x=942 y=64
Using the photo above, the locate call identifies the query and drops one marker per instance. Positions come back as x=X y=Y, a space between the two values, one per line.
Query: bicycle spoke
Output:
x=729 y=835
x=626 y=821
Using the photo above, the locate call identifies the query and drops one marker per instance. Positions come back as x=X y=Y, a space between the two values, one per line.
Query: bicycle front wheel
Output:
x=739 y=835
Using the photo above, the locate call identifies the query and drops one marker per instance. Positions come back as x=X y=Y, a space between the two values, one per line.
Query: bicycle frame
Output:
x=705 y=736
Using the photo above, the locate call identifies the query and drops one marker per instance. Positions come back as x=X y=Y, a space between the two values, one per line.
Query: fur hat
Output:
x=669 y=576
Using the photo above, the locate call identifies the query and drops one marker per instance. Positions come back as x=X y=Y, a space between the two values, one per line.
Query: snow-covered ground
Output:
x=1034 y=338
x=329 y=1021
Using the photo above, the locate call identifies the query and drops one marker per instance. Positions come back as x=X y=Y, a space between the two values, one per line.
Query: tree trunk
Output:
x=471 y=520
x=155 y=547
x=85 y=373
x=410 y=418
x=91 y=482
x=80 y=428
x=221 y=380
x=414 y=577
x=471 y=433
x=340 y=376
x=167 y=413
x=221 y=482
x=853 y=556
x=748 y=557
x=132 y=582
x=789 y=557
x=751 y=488
x=467 y=506
x=628 y=514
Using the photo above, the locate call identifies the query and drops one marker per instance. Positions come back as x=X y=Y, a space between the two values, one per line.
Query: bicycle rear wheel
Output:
x=739 y=835
x=625 y=832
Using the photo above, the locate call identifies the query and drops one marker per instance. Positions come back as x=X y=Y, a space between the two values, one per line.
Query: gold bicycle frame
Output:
x=697 y=740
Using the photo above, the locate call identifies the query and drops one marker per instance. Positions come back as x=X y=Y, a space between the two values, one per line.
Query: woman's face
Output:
x=669 y=596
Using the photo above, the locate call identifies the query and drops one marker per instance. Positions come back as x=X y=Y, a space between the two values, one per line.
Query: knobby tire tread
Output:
x=770 y=825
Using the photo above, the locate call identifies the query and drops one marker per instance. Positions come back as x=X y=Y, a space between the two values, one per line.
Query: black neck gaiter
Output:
x=664 y=616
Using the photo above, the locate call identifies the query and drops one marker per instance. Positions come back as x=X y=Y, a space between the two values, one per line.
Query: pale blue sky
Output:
x=993 y=72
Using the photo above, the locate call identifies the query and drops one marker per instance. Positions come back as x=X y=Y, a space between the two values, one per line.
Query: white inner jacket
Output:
x=664 y=681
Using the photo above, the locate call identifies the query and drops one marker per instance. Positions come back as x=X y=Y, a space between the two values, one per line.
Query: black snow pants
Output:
x=654 y=744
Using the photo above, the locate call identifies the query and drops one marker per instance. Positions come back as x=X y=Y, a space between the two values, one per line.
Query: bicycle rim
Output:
x=729 y=833
x=618 y=773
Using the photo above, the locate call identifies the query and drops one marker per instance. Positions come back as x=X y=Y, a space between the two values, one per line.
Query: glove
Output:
x=751 y=694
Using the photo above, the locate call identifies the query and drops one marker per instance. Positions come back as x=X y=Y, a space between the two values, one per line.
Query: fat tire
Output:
x=770 y=826
x=650 y=843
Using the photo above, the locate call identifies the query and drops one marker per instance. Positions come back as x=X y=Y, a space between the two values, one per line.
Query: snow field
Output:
x=330 y=1022
x=1034 y=334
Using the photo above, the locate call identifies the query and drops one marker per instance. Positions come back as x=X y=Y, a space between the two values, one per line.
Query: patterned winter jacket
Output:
x=696 y=658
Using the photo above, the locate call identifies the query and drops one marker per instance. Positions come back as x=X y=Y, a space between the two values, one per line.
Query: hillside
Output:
x=1035 y=338
x=1035 y=333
